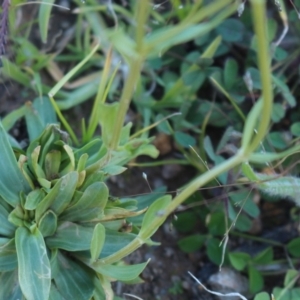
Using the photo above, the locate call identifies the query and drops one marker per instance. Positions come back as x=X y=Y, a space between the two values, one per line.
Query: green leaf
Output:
x=48 y=223
x=115 y=241
x=10 y=288
x=8 y=255
x=55 y=294
x=59 y=197
x=262 y=296
x=264 y=257
x=34 y=198
x=184 y=139
x=107 y=118
x=239 y=260
x=44 y=16
x=214 y=251
x=34 y=266
x=73 y=280
x=278 y=112
x=121 y=272
x=256 y=281
x=71 y=237
x=12 y=181
x=295 y=129
x=90 y=205
x=7 y=229
x=230 y=73
x=290 y=278
x=192 y=243
x=285 y=91
x=97 y=241
x=231 y=30
x=156 y=210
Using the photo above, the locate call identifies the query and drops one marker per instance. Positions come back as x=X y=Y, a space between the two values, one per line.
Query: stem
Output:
x=263 y=56
x=135 y=65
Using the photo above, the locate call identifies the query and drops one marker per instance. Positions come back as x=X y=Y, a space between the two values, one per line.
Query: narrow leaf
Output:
x=12 y=181
x=97 y=241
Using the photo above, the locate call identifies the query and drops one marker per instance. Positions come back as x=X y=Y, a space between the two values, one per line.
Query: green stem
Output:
x=263 y=56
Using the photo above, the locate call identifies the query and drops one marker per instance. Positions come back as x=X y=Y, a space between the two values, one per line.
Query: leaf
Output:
x=10 y=288
x=73 y=280
x=90 y=205
x=7 y=229
x=48 y=223
x=59 y=197
x=214 y=251
x=121 y=272
x=264 y=257
x=184 y=139
x=32 y=255
x=71 y=237
x=256 y=281
x=239 y=260
x=231 y=30
x=192 y=243
x=44 y=16
x=285 y=91
x=97 y=241
x=12 y=181
x=262 y=296
x=290 y=278
x=34 y=198
x=230 y=73
x=155 y=211
x=107 y=118
x=295 y=129
x=8 y=255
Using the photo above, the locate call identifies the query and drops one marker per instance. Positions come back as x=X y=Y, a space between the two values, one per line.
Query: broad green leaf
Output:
x=231 y=30
x=33 y=264
x=192 y=243
x=71 y=237
x=256 y=281
x=10 y=288
x=295 y=129
x=45 y=110
x=60 y=195
x=48 y=223
x=290 y=278
x=264 y=257
x=74 y=280
x=214 y=251
x=34 y=198
x=239 y=260
x=8 y=255
x=55 y=294
x=121 y=272
x=90 y=205
x=12 y=181
x=155 y=211
x=97 y=241
x=262 y=296
x=44 y=16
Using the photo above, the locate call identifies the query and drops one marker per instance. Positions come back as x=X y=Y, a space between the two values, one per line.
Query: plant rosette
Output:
x=61 y=233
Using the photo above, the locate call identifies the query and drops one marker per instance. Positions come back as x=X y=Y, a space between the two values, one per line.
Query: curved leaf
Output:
x=10 y=288
x=44 y=16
